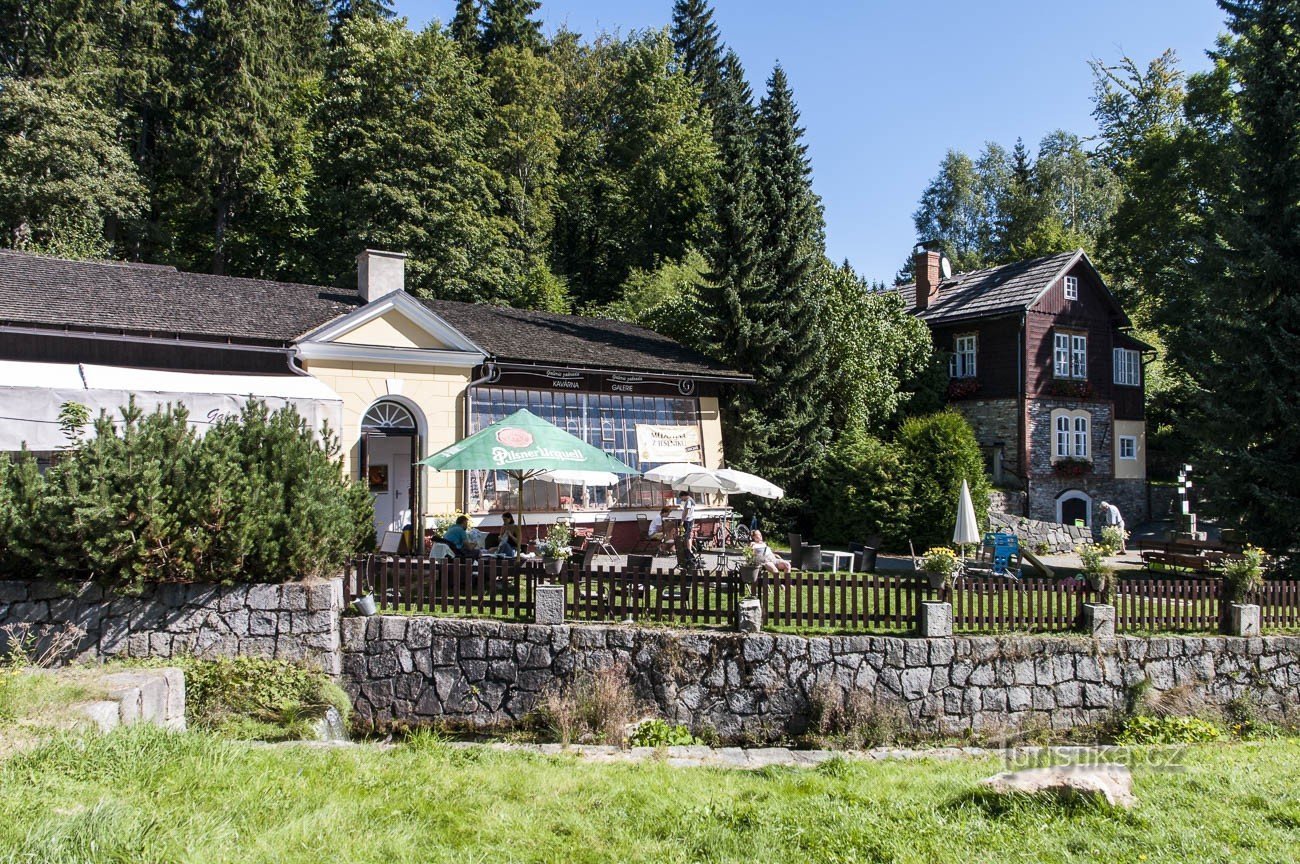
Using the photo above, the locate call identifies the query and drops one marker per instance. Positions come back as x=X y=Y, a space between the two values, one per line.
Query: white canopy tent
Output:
x=31 y=395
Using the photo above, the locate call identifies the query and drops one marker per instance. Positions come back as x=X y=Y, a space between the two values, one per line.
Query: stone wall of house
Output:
x=296 y=621
x=1007 y=501
x=1035 y=534
x=1045 y=486
x=763 y=686
x=995 y=422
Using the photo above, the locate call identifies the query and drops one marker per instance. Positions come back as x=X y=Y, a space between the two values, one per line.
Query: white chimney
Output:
x=380 y=273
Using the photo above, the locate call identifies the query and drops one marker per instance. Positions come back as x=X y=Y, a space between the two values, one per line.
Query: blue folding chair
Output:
x=1005 y=547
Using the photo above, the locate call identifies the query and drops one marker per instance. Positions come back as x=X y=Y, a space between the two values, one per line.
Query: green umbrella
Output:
x=524 y=445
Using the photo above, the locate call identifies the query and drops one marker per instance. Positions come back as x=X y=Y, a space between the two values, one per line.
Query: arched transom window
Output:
x=387 y=415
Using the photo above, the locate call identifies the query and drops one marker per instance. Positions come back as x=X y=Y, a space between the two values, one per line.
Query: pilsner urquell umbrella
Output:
x=524 y=446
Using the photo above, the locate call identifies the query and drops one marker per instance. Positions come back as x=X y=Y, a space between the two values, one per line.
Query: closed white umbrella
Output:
x=750 y=484
x=968 y=530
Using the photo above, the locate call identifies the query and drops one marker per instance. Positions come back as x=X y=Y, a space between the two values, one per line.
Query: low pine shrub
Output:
x=146 y=499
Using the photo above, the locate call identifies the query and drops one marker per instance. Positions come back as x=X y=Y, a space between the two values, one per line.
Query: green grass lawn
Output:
x=142 y=795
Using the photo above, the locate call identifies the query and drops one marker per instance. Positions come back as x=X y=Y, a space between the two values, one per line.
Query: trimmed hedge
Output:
x=256 y=499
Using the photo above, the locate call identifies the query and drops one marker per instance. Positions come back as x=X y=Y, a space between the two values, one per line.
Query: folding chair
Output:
x=602 y=541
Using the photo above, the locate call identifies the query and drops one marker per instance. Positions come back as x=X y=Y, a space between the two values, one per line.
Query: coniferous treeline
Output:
x=636 y=177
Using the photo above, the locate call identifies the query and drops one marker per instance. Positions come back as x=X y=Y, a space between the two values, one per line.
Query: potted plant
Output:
x=1099 y=573
x=1243 y=574
x=1112 y=540
x=555 y=549
x=749 y=566
x=940 y=566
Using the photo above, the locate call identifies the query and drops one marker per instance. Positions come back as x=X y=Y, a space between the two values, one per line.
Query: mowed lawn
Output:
x=142 y=795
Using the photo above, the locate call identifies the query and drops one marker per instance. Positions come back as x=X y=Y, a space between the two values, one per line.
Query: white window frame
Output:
x=1061 y=435
x=1071 y=287
x=1132 y=441
x=1070 y=355
x=1128 y=367
x=962 y=363
x=1082 y=436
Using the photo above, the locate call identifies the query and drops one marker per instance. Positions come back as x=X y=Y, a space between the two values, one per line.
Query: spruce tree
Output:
x=695 y=38
x=784 y=427
x=733 y=252
x=1240 y=344
x=465 y=24
x=510 y=22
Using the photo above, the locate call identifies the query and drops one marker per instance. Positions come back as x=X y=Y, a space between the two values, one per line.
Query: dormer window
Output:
x=1071 y=287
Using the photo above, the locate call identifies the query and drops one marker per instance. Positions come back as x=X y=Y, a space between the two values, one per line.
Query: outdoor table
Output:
x=441 y=550
x=836 y=558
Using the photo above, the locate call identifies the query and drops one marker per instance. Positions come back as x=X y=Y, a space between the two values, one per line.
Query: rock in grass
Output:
x=1111 y=782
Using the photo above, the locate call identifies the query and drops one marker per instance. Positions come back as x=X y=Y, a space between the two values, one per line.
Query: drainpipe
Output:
x=489 y=373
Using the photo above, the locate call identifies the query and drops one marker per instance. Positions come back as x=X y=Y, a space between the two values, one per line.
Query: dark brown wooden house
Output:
x=1041 y=364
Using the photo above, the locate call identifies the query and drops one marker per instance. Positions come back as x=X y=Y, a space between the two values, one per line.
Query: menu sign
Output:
x=669 y=444
x=629 y=383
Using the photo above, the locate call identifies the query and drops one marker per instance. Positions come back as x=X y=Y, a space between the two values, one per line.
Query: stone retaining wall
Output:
x=296 y=621
x=1032 y=532
x=485 y=674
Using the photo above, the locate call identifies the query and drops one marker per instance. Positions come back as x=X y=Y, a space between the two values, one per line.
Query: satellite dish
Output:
x=945 y=267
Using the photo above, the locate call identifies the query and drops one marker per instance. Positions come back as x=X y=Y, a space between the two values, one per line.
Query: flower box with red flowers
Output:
x=1072 y=389
x=1072 y=467
x=963 y=388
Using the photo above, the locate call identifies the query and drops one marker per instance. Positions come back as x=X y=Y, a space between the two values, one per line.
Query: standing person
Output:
x=687 y=504
x=1110 y=515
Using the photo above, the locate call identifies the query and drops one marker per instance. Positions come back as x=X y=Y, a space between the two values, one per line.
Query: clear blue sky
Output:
x=887 y=87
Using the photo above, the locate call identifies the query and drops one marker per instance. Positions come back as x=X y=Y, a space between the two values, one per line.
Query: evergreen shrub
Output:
x=256 y=499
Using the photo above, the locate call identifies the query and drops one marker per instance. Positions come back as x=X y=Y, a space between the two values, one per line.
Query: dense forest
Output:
x=649 y=177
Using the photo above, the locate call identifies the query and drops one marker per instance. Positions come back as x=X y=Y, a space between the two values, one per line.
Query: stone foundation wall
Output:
x=996 y=422
x=296 y=621
x=1008 y=501
x=486 y=674
x=1032 y=532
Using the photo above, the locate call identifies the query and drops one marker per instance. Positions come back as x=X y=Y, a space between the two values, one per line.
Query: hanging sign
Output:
x=669 y=444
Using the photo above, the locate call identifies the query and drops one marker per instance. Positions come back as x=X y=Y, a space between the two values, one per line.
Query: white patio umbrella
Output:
x=967 y=531
x=750 y=484
x=579 y=478
x=685 y=477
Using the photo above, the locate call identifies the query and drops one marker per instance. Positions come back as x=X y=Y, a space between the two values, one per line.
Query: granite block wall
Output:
x=296 y=621
x=1033 y=532
x=762 y=686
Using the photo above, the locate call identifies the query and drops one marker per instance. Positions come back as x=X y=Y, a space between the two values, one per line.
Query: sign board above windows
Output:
x=625 y=383
x=669 y=444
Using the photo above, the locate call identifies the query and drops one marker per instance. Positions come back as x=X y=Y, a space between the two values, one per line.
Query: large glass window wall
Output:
x=604 y=420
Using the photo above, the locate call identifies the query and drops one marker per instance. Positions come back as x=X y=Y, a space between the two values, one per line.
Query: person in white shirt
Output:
x=688 y=518
x=765 y=557
x=657 y=523
x=1110 y=515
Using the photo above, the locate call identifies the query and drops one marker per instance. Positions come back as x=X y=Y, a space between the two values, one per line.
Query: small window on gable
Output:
x=1071 y=287
x=962 y=362
x=1128 y=447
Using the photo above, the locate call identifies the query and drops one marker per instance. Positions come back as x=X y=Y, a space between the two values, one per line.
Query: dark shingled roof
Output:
x=994 y=291
x=528 y=336
x=38 y=291
x=148 y=299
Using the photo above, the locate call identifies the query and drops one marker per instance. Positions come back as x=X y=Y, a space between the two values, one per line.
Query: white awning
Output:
x=31 y=395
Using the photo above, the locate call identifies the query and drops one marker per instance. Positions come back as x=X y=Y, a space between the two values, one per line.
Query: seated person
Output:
x=457 y=537
x=510 y=543
x=657 y=523
x=765 y=557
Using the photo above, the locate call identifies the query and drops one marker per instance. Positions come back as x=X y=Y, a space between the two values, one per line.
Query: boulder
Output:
x=1109 y=781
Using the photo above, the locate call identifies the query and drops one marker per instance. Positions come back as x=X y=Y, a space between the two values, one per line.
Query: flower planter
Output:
x=936 y=580
x=749 y=574
x=553 y=566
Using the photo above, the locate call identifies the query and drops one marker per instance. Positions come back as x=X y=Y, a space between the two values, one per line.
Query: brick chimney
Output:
x=926 y=274
x=380 y=273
